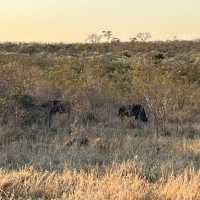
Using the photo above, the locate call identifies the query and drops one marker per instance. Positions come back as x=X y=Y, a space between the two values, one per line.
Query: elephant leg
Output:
x=50 y=119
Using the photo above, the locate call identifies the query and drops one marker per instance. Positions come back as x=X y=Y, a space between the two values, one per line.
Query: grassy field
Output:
x=91 y=153
x=100 y=164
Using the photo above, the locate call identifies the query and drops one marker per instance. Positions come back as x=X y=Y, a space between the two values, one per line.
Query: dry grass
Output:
x=99 y=163
x=92 y=154
x=118 y=182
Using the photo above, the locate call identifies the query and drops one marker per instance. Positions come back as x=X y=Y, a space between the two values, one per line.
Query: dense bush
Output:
x=163 y=76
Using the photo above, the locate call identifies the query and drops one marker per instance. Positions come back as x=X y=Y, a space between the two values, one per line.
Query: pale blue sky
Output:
x=73 y=20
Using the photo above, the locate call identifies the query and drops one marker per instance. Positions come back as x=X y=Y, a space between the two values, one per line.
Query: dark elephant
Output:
x=53 y=107
x=47 y=109
x=135 y=110
x=57 y=106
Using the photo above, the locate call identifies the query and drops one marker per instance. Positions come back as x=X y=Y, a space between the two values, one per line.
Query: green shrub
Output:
x=25 y=100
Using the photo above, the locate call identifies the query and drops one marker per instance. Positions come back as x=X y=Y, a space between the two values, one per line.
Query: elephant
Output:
x=136 y=110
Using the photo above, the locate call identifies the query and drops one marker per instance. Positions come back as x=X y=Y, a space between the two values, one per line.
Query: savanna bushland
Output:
x=87 y=151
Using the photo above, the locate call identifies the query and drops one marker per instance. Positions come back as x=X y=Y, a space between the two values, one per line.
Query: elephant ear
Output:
x=135 y=109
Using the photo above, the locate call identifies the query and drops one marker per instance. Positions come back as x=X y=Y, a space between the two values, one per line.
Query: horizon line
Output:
x=83 y=42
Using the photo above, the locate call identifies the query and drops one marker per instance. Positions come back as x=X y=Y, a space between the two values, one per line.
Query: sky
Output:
x=73 y=20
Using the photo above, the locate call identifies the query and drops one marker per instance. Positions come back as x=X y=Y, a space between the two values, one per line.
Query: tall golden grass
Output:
x=111 y=165
x=122 y=181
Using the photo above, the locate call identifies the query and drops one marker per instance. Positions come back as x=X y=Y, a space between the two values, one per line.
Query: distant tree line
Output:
x=107 y=36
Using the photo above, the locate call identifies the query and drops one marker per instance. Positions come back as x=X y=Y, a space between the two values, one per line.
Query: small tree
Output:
x=151 y=85
x=144 y=36
x=165 y=94
x=107 y=35
x=133 y=39
x=94 y=38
